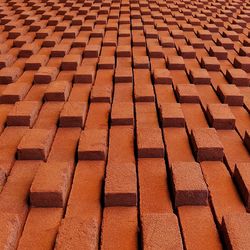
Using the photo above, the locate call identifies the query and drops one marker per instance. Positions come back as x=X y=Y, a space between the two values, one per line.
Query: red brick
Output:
x=92 y=51
x=46 y=75
x=106 y=62
x=219 y=52
x=101 y=93
x=76 y=232
x=29 y=49
x=247 y=139
x=122 y=234
x=162 y=76
x=199 y=76
x=51 y=185
x=187 y=51
x=187 y=93
x=188 y=184
x=123 y=51
x=238 y=77
x=210 y=63
x=155 y=51
x=60 y=50
x=141 y=62
x=144 y=93
x=198 y=228
x=206 y=145
x=57 y=91
x=242 y=62
x=123 y=75
x=230 y=94
x=171 y=115
x=122 y=113
x=175 y=63
x=93 y=144
x=35 y=145
x=9 y=74
x=242 y=179
x=84 y=74
x=223 y=193
x=149 y=143
x=235 y=228
x=71 y=62
x=161 y=230
x=24 y=113
x=73 y=114
x=6 y=60
x=35 y=62
x=220 y=116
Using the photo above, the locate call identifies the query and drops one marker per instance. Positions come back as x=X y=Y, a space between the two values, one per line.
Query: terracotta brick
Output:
x=175 y=63
x=242 y=179
x=71 y=62
x=92 y=51
x=242 y=62
x=238 y=77
x=7 y=60
x=93 y=144
x=123 y=75
x=122 y=113
x=247 y=139
x=57 y=91
x=197 y=225
x=162 y=76
x=51 y=185
x=187 y=51
x=199 y=76
x=187 y=93
x=60 y=50
x=106 y=62
x=161 y=230
x=85 y=74
x=210 y=63
x=230 y=94
x=123 y=51
x=206 y=145
x=122 y=234
x=35 y=62
x=73 y=114
x=9 y=74
x=120 y=185
x=219 y=52
x=141 y=62
x=35 y=145
x=155 y=51
x=171 y=115
x=149 y=143
x=29 y=49
x=100 y=93
x=76 y=232
x=144 y=93
x=235 y=228
x=24 y=113
x=45 y=75
x=188 y=184
x=220 y=116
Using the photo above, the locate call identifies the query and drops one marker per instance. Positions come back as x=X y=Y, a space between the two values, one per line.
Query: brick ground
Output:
x=124 y=124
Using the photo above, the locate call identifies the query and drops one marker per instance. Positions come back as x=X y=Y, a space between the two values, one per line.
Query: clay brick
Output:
x=155 y=51
x=29 y=49
x=24 y=113
x=123 y=51
x=187 y=93
x=242 y=179
x=9 y=74
x=35 y=62
x=247 y=139
x=51 y=185
x=93 y=144
x=85 y=74
x=199 y=76
x=175 y=63
x=230 y=94
x=238 y=77
x=143 y=93
x=242 y=62
x=206 y=145
x=235 y=228
x=171 y=115
x=92 y=51
x=122 y=113
x=122 y=234
x=141 y=62
x=210 y=63
x=123 y=75
x=219 y=52
x=120 y=185
x=57 y=91
x=60 y=50
x=149 y=143
x=162 y=76
x=6 y=60
x=101 y=93
x=106 y=62
x=45 y=75
x=187 y=51
x=76 y=232
x=71 y=62
x=188 y=184
x=73 y=114
x=220 y=116
x=161 y=230
x=35 y=145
